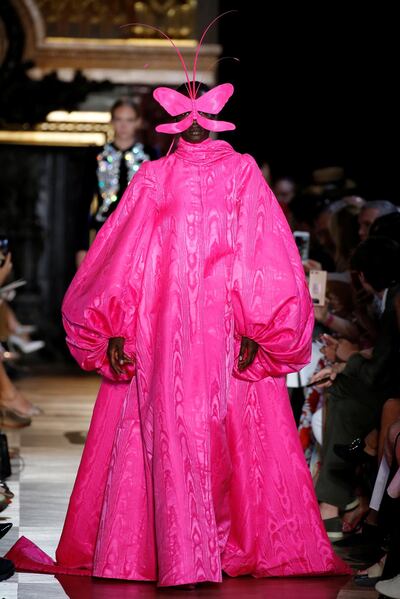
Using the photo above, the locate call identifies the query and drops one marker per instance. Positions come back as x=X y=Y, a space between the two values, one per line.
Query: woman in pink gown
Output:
x=192 y=465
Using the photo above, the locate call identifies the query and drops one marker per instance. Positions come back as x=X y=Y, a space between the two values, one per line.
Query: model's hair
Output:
x=126 y=101
x=378 y=258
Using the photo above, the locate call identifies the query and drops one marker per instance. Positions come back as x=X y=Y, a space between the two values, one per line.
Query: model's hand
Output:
x=116 y=355
x=248 y=351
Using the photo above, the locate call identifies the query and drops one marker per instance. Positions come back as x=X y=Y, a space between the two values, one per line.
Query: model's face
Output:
x=195 y=134
x=365 y=220
x=126 y=122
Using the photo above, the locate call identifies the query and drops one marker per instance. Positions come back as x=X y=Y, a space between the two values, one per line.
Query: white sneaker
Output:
x=389 y=588
x=27 y=347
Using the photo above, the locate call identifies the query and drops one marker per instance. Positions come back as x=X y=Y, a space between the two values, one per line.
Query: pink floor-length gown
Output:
x=190 y=467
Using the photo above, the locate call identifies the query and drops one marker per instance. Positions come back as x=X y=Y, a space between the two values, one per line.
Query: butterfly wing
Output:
x=175 y=128
x=172 y=101
x=211 y=125
x=214 y=100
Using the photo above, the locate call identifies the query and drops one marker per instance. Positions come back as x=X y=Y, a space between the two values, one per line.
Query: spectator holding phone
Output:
x=359 y=387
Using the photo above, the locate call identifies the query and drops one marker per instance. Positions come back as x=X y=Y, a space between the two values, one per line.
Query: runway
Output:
x=44 y=470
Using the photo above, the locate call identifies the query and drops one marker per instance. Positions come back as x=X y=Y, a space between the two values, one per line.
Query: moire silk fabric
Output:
x=191 y=467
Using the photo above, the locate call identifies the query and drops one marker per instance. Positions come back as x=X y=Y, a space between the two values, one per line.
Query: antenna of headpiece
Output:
x=173 y=44
x=191 y=85
x=200 y=44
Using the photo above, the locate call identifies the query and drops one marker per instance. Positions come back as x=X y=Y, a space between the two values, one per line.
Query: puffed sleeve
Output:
x=102 y=300
x=270 y=296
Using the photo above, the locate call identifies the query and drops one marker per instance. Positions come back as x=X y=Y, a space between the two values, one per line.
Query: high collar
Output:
x=208 y=150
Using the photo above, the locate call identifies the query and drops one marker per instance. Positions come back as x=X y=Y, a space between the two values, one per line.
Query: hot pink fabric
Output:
x=191 y=468
x=212 y=102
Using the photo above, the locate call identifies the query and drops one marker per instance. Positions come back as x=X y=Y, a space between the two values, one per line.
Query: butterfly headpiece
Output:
x=176 y=103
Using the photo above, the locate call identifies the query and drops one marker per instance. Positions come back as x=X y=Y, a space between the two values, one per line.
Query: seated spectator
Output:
x=266 y=171
x=359 y=387
x=336 y=229
x=385 y=573
x=305 y=209
x=370 y=212
x=387 y=226
x=15 y=409
x=284 y=189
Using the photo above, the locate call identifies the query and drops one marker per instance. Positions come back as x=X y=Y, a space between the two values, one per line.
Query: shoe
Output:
x=5 y=490
x=372 y=575
x=354 y=519
x=389 y=588
x=370 y=535
x=4 y=528
x=4 y=502
x=6 y=568
x=353 y=452
x=333 y=527
x=352 y=505
x=25 y=329
x=25 y=409
x=33 y=410
x=27 y=347
x=11 y=419
x=363 y=580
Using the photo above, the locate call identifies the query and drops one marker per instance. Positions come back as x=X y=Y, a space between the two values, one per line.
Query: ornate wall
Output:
x=94 y=37
x=43 y=43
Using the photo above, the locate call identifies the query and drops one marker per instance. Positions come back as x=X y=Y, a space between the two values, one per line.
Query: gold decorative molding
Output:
x=91 y=18
x=175 y=17
x=81 y=42
x=78 y=116
x=53 y=138
x=61 y=128
x=147 y=58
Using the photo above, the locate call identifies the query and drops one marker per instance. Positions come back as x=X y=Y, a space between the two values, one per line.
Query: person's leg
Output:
x=390 y=413
x=391 y=516
x=4 y=328
x=347 y=418
x=12 y=321
x=11 y=398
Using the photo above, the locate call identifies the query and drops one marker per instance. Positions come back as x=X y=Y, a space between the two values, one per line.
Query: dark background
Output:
x=316 y=85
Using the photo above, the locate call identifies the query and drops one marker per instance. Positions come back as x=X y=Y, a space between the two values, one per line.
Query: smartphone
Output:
x=320 y=382
x=302 y=239
x=4 y=250
x=317 y=286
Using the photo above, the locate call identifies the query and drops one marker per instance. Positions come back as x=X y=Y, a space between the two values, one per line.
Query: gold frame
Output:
x=53 y=138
